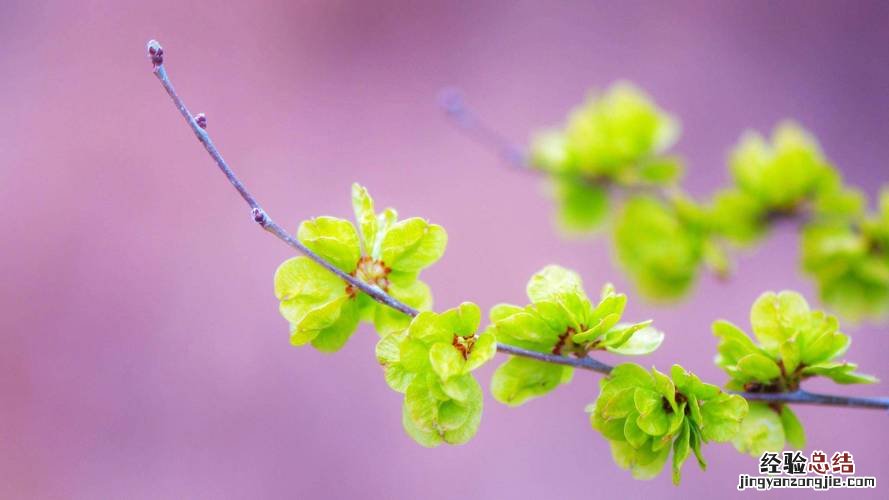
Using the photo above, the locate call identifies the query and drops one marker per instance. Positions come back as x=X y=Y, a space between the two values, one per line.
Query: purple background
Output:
x=142 y=352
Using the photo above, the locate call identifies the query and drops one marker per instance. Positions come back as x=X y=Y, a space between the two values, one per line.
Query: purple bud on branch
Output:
x=155 y=52
x=201 y=120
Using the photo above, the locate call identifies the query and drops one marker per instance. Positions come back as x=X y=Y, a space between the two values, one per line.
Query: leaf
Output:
x=841 y=373
x=681 y=451
x=520 y=379
x=413 y=244
x=335 y=336
x=759 y=367
x=582 y=206
x=722 y=417
x=551 y=282
x=646 y=340
x=776 y=317
x=462 y=320
x=363 y=206
x=760 y=431
x=793 y=428
x=333 y=239
x=445 y=360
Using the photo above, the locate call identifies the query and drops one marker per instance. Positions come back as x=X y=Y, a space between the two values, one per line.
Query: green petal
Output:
x=413 y=244
x=334 y=239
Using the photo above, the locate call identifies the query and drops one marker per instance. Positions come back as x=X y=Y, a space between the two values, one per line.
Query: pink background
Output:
x=142 y=352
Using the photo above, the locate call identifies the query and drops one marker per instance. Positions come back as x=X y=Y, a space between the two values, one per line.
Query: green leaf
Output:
x=363 y=206
x=334 y=337
x=681 y=451
x=661 y=170
x=302 y=285
x=760 y=431
x=582 y=206
x=462 y=320
x=793 y=428
x=446 y=361
x=759 y=367
x=429 y=439
x=722 y=417
x=643 y=462
x=413 y=244
x=551 y=282
x=776 y=317
x=333 y=239
x=646 y=340
x=520 y=379
x=841 y=373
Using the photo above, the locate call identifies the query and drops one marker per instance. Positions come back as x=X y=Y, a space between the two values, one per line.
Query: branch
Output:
x=198 y=124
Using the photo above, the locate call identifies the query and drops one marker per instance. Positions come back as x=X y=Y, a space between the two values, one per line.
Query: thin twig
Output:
x=198 y=124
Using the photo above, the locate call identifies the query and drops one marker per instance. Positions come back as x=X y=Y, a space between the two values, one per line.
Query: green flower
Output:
x=792 y=344
x=850 y=262
x=643 y=414
x=660 y=245
x=616 y=138
x=783 y=175
x=560 y=320
x=384 y=252
x=431 y=364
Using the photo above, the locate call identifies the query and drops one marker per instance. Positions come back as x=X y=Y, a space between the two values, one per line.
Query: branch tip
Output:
x=155 y=52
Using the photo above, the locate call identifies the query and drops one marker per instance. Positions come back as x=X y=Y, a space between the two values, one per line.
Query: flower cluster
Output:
x=431 y=363
x=792 y=344
x=561 y=320
x=384 y=252
x=617 y=138
x=850 y=262
x=644 y=414
x=662 y=238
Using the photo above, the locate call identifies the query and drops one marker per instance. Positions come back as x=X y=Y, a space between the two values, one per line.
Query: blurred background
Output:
x=143 y=355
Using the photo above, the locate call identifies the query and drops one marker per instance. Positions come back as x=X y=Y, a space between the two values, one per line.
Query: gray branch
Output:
x=198 y=124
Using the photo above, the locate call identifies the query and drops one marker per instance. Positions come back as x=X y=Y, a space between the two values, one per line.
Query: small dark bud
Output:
x=201 y=120
x=258 y=216
x=155 y=53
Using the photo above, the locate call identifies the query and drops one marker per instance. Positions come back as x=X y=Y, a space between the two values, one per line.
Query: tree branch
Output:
x=198 y=126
